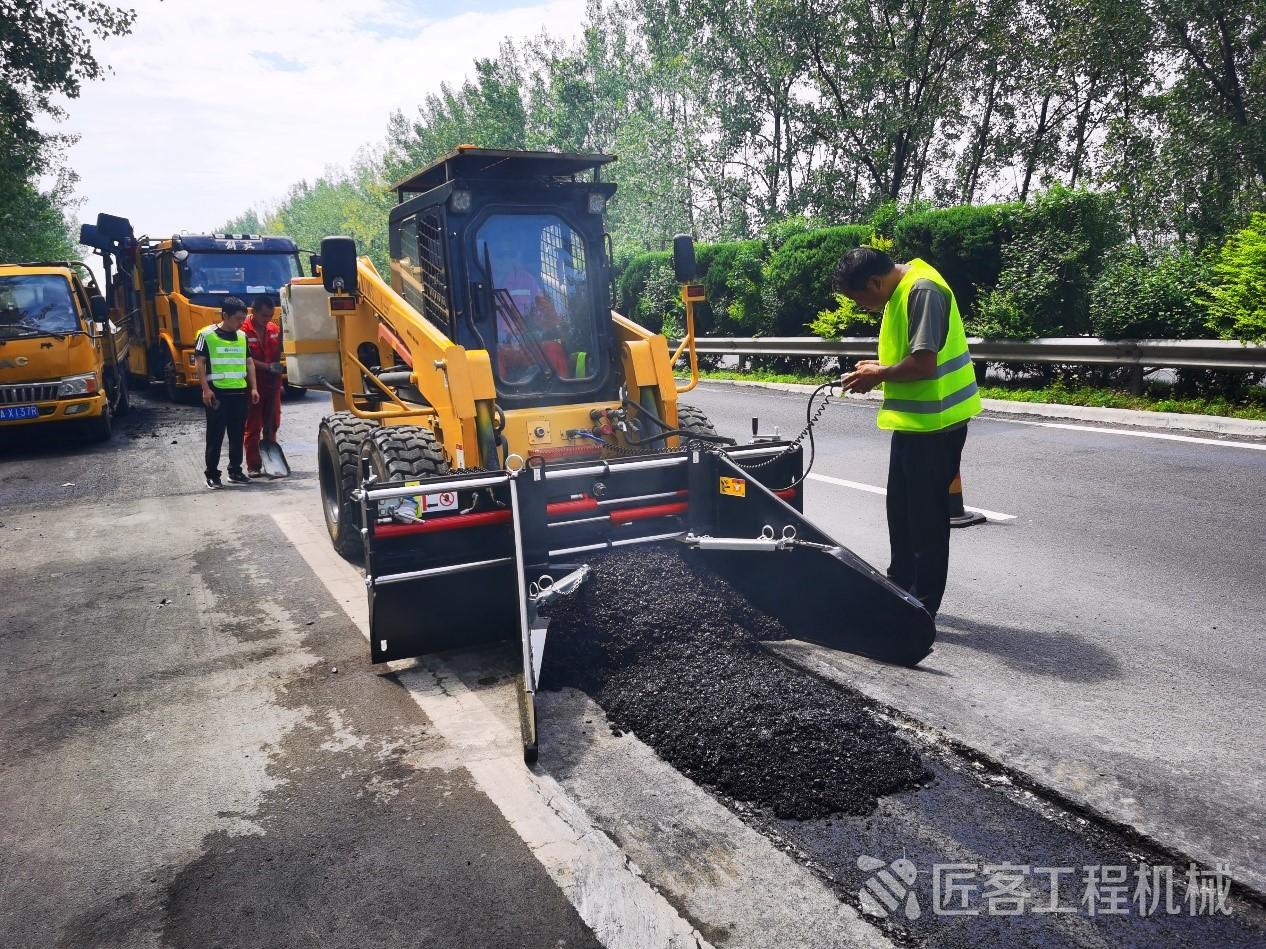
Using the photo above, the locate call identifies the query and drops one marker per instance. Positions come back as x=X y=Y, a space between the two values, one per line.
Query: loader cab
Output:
x=506 y=251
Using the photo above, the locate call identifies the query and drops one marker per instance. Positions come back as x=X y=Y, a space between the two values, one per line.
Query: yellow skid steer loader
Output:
x=496 y=424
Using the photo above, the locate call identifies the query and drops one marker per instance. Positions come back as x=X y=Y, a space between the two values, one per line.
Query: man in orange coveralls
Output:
x=263 y=342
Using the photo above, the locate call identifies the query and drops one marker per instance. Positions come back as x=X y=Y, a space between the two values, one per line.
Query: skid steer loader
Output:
x=496 y=424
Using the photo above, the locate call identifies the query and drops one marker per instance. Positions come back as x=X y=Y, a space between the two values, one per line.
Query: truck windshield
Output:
x=242 y=274
x=545 y=333
x=36 y=304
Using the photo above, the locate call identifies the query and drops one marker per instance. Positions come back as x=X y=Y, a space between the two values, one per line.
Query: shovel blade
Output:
x=273 y=459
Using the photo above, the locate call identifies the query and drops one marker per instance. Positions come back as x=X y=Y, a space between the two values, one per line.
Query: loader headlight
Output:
x=459 y=202
x=597 y=202
x=72 y=386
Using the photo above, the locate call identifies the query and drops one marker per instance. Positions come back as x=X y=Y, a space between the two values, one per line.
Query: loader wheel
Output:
x=338 y=467
x=691 y=419
x=403 y=453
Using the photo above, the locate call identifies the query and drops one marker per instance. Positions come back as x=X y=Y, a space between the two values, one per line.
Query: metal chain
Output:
x=804 y=433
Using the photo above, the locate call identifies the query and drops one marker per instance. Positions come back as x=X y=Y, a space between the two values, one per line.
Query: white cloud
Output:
x=216 y=107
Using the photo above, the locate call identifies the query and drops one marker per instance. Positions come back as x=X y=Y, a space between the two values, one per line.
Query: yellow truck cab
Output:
x=181 y=282
x=61 y=358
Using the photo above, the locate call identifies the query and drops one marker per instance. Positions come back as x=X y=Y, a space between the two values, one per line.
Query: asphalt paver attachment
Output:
x=467 y=559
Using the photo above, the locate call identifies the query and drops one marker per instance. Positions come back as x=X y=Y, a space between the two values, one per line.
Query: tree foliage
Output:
x=45 y=53
x=1237 y=290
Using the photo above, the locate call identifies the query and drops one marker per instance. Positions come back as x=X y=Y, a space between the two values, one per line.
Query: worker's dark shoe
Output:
x=238 y=478
x=214 y=482
x=254 y=473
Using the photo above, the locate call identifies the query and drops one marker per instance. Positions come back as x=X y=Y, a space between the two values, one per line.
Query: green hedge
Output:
x=1149 y=296
x=964 y=243
x=1057 y=248
x=798 y=275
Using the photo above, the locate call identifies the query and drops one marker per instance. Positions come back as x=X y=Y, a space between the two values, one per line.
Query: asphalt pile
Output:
x=673 y=654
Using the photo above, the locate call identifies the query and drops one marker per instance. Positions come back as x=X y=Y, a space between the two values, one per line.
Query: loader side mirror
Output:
x=314 y=264
x=100 y=308
x=338 y=264
x=684 y=266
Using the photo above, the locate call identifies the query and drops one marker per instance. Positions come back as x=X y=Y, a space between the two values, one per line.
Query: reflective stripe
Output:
x=930 y=406
x=958 y=362
x=226 y=358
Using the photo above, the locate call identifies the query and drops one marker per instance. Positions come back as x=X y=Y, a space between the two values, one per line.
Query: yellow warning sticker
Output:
x=734 y=487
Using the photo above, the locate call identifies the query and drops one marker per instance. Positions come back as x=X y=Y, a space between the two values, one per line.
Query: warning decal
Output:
x=734 y=487
x=444 y=501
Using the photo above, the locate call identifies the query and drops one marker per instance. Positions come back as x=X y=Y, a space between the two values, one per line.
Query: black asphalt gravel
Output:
x=673 y=654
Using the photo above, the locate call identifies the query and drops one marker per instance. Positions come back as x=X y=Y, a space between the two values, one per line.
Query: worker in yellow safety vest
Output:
x=228 y=389
x=929 y=387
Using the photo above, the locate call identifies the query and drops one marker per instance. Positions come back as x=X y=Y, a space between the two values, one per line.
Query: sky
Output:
x=215 y=106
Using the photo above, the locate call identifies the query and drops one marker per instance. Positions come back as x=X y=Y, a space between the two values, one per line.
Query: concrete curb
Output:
x=1211 y=424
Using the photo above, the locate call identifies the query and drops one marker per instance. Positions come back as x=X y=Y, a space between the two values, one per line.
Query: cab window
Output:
x=545 y=336
x=32 y=304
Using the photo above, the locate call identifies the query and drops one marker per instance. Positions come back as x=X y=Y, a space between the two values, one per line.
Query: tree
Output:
x=45 y=52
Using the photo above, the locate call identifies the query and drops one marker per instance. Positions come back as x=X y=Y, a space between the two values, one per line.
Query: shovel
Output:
x=271 y=456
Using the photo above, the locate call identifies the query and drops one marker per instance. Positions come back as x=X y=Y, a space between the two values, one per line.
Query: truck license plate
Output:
x=11 y=413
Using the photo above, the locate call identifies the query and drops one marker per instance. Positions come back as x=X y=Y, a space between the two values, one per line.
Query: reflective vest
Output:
x=228 y=359
x=950 y=396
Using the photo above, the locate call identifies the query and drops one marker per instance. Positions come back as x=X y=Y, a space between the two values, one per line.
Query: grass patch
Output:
x=1254 y=407
x=762 y=375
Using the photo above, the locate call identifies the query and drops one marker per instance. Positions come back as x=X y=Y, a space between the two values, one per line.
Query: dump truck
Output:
x=62 y=359
x=496 y=424
x=170 y=288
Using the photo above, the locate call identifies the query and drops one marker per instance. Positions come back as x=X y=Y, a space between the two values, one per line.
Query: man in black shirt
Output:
x=228 y=389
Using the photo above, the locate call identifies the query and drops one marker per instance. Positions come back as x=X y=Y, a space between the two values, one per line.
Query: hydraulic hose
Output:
x=669 y=431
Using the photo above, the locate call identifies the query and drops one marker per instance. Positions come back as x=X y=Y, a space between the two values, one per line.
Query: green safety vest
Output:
x=948 y=398
x=228 y=359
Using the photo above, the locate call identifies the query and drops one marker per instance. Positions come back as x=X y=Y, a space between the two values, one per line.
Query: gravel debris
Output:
x=673 y=654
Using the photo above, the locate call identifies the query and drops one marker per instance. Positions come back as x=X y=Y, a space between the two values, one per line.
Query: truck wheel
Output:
x=338 y=467
x=122 y=402
x=403 y=453
x=168 y=375
x=691 y=419
x=102 y=427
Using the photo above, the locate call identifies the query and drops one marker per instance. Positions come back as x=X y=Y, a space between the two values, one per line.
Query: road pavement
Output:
x=1109 y=641
x=196 y=752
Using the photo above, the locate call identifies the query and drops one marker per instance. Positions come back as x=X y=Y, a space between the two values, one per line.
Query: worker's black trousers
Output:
x=920 y=470
x=229 y=417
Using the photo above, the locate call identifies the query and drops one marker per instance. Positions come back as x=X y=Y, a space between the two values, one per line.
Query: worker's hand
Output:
x=865 y=376
x=254 y=397
x=207 y=396
x=276 y=368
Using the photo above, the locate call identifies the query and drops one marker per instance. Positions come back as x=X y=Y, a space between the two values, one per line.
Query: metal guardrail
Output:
x=1151 y=353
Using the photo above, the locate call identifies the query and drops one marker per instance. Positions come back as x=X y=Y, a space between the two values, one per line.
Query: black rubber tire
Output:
x=122 y=402
x=338 y=467
x=167 y=373
x=692 y=419
x=403 y=453
x=102 y=427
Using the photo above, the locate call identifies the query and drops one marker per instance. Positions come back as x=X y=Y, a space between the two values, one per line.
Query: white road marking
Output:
x=875 y=489
x=1103 y=430
x=606 y=888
